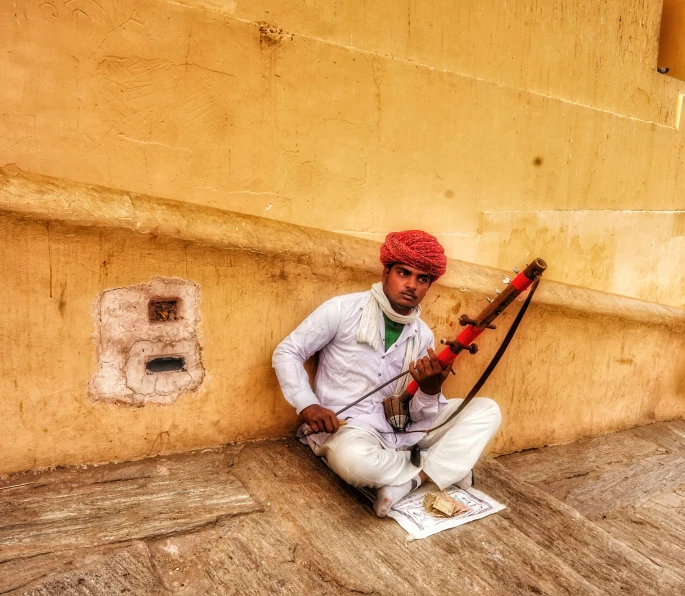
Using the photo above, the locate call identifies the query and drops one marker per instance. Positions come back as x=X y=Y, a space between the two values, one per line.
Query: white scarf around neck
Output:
x=369 y=331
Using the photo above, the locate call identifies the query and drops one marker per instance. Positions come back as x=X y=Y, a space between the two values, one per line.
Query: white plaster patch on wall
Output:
x=148 y=344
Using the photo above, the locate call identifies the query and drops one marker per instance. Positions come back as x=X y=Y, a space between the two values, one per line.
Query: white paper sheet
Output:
x=410 y=514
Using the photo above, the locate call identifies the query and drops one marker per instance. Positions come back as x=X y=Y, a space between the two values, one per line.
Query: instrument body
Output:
x=397 y=412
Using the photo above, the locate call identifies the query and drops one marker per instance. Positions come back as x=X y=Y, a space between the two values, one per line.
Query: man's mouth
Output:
x=408 y=296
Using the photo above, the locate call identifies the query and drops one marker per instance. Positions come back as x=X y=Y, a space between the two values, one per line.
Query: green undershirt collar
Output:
x=392 y=331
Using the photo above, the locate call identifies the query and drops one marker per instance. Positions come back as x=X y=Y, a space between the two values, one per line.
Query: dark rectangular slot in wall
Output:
x=161 y=311
x=671 y=58
x=165 y=364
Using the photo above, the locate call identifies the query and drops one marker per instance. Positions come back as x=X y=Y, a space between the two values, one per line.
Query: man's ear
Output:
x=386 y=270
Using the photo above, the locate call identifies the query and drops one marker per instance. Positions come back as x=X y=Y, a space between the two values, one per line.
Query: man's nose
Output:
x=410 y=283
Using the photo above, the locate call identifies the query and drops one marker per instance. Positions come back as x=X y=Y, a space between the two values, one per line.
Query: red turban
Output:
x=417 y=249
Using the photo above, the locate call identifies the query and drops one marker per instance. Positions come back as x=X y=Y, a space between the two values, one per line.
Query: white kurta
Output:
x=367 y=452
x=347 y=369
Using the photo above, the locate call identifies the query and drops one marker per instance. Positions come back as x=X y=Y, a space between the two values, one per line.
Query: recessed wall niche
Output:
x=148 y=348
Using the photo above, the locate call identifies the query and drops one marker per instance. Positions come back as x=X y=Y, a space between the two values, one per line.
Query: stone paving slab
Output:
x=630 y=483
x=80 y=508
x=126 y=571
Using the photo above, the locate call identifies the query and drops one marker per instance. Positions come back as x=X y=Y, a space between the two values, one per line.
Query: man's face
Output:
x=404 y=286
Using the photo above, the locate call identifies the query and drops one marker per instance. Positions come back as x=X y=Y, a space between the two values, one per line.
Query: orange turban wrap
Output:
x=417 y=249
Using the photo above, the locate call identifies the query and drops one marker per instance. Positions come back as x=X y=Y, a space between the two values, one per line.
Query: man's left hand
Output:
x=428 y=373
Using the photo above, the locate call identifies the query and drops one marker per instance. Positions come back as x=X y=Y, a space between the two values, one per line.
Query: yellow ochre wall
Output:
x=583 y=362
x=509 y=129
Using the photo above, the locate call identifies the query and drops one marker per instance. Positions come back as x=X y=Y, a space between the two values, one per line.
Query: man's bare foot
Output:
x=467 y=481
x=387 y=496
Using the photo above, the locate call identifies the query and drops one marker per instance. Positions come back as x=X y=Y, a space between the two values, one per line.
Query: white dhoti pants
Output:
x=361 y=458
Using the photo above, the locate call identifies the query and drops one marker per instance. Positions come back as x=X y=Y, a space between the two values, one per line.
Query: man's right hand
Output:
x=320 y=419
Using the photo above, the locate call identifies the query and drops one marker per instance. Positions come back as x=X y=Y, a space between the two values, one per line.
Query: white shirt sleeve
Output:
x=422 y=405
x=317 y=330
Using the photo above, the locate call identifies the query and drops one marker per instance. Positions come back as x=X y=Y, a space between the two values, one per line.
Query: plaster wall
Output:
x=649 y=244
x=583 y=362
x=367 y=117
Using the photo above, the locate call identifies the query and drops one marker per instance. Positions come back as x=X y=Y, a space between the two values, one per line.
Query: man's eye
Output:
x=423 y=280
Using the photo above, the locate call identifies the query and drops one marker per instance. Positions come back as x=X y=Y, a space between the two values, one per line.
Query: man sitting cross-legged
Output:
x=365 y=339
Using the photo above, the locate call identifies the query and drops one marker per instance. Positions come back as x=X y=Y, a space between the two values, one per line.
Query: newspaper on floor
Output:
x=410 y=513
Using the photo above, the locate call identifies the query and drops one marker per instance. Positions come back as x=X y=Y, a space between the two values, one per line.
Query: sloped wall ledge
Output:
x=45 y=198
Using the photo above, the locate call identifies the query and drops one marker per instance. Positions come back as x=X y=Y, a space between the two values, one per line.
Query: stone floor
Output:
x=600 y=516
x=631 y=484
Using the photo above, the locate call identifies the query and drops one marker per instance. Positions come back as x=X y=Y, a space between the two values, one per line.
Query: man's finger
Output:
x=433 y=365
x=434 y=362
x=336 y=423
x=445 y=373
x=314 y=425
x=421 y=368
x=413 y=372
x=328 y=424
x=428 y=369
